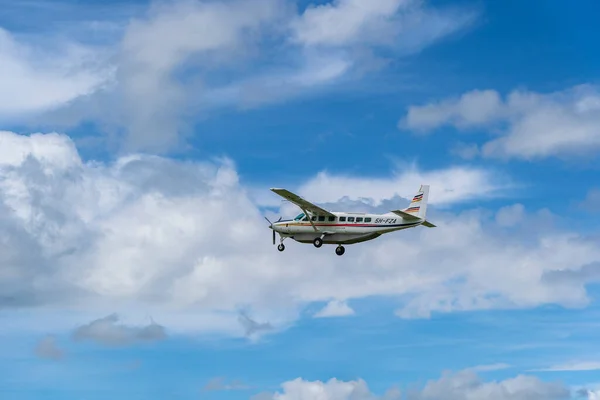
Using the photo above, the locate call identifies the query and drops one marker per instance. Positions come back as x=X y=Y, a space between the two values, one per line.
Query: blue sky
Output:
x=137 y=145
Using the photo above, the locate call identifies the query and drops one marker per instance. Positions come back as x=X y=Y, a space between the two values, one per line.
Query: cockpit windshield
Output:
x=299 y=217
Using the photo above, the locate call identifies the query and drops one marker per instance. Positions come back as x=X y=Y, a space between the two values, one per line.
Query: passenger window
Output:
x=359 y=219
x=350 y=219
x=305 y=219
x=314 y=218
x=331 y=219
x=342 y=219
x=321 y=218
x=367 y=219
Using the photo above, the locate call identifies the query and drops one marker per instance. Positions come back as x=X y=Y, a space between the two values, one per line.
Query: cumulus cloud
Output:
x=447 y=186
x=108 y=331
x=531 y=125
x=466 y=385
x=334 y=389
x=462 y=385
x=510 y=215
x=154 y=235
x=48 y=349
x=471 y=109
x=335 y=308
x=184 y=58
x=592 y=394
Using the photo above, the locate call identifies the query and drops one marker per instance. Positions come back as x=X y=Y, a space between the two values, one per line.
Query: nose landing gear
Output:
x=340 y=250
x=281 y=247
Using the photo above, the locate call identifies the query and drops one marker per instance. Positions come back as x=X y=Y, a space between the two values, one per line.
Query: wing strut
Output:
x=309 y=219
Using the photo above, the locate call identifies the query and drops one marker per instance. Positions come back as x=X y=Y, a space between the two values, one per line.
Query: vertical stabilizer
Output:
x=418 y=205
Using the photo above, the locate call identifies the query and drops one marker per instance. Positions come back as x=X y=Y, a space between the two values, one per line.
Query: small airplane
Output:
x=318 y=226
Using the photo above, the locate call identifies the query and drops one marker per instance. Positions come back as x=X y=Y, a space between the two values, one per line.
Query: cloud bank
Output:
x=462 y=385
x=157 y=235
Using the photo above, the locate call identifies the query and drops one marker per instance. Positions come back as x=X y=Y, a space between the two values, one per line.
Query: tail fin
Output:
x=418 y=205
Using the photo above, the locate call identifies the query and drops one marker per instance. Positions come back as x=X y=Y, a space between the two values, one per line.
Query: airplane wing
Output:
x=300 y=202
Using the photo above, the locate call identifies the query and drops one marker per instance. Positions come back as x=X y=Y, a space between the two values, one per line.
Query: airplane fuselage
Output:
x=319 y=226
x=341 y=228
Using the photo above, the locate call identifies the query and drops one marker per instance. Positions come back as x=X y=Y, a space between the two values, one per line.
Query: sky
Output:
x=138 y=143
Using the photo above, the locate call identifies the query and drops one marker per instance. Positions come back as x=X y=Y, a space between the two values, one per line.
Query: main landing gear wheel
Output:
x=340 y=250
x=318 y=242
x=281 y=247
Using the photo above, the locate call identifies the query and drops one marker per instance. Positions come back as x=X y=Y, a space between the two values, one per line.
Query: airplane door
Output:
x=341 y=228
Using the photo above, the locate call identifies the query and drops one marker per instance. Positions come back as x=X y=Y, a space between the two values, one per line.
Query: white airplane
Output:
x=318 y=226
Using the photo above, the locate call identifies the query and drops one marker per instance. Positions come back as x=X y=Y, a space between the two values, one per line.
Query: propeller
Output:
x=271 y=226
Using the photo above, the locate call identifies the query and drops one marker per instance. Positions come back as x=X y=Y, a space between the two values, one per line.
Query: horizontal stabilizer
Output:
x=428 y=224
x=406 y=216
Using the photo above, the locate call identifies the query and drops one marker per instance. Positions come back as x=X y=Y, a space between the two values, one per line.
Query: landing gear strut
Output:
x=340 y=250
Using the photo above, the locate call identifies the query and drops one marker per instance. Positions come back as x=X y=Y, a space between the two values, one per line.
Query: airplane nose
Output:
x=278 y=227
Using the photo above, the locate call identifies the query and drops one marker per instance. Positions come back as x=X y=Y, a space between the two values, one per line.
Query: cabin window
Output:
x=321 y=218
x=342 y=219
x=350 y=219
x=314 y=218
x=305 y=219
x=359 y=219
x=368 y=219
x=331 y=219
x=299 y=217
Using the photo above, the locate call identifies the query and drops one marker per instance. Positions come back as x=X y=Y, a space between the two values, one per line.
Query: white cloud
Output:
x=377 y=22
x=532 y=125
x=335 y=308
x=152 y=236
x=343 y=21
x=466 y=385
x=188 y=34
x=471 y=109
x=334 y=389
x=447 y=186
x=35 y=78
x=574 y=366
x=181 y=59
x=465 y=150
x=108 y=331
x=463 y=385
x=510 y=215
